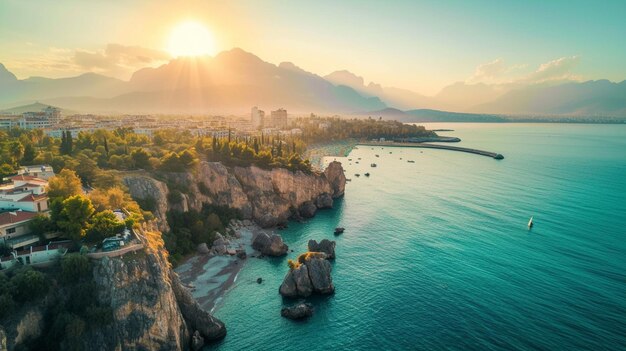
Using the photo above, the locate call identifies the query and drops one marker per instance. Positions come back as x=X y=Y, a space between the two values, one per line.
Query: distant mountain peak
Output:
x=6 y=75
x=345 y=77
x=238 y=55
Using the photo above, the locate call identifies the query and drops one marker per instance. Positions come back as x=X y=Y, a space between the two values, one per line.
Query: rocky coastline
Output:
x=268 y=197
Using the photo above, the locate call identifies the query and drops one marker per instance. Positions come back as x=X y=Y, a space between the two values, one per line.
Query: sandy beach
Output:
x=209 y=276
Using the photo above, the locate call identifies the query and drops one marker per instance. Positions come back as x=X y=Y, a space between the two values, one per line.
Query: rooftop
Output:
x=15 y=217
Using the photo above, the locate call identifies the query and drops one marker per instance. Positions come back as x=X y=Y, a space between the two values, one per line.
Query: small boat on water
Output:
x=530 y=222
x=373 y=165
x=367 y=174
x=339 y=230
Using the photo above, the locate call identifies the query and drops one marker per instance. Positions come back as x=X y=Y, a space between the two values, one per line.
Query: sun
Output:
x=191 y=39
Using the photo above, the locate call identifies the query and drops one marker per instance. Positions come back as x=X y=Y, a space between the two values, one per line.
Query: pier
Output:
x=493 y=155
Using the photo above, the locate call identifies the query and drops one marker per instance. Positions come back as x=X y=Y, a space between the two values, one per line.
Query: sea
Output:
x=437 y=254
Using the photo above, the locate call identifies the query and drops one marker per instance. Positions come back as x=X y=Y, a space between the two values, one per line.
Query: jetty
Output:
x=493 y=155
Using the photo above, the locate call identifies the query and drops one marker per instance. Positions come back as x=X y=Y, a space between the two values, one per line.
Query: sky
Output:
x=418 y=45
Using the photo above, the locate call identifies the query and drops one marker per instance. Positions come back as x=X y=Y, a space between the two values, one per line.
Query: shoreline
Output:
x=210 y=276
x=316 y=153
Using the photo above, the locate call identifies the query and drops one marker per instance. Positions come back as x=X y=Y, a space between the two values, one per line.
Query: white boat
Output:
x=530 y=222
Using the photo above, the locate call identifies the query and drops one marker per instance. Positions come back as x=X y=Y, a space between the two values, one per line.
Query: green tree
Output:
x=141 y=158
x=41 y=225
x=6 y=170
x=16 y=151
x=28 y=285
x=85 y=141
x=64 y=185
x=74 y=267
x=103 y=225
x=73 y=217
x=29 y=154
x=87 y=169
x=106 y=180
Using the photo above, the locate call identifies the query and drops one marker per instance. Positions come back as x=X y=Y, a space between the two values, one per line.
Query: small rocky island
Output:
x=310 y=273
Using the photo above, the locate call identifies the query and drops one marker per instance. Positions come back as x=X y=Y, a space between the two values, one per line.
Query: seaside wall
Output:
x=268 y=197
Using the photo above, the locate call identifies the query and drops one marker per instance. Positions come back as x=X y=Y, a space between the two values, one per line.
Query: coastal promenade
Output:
x=493 y=155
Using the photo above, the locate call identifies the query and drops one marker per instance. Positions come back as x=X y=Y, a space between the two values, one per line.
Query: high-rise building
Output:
x=256 y=117
x=279 y=118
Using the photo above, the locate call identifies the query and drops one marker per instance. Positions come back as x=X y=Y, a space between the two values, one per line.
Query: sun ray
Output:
x=191 y=38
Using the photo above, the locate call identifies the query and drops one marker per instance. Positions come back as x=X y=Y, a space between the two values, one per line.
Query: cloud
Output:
x=488 y=71
x=497 y=72
x=559 y=69
x=119 y=60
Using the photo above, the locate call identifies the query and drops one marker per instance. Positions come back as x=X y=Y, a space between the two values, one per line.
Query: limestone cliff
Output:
x=269 y=197
x=151 y=309
x=144 y=187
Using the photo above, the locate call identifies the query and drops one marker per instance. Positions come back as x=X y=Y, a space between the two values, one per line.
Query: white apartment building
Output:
x=44 y=172
x=25 y=193
x=257 y=117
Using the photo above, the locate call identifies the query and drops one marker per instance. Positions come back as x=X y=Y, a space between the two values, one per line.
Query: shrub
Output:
x=74 y=267
x=148 y=204
x=28 y=285
x=175 y=197
x=7 y=305
x=293 y=264
x=309 y=255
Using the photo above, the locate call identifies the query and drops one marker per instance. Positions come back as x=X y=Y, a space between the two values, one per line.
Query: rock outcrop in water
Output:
x=299 y=311
x=270 y=245
x=311 y=275
x=269 y=197
x=326 y=246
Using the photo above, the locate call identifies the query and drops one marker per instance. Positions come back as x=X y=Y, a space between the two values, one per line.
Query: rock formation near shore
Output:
x=299 y=311
x=310 y=276
x=270 y=245
x=269 y=197
x=326 y=246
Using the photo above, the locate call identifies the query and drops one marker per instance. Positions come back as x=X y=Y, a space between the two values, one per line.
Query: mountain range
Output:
x=235 y=80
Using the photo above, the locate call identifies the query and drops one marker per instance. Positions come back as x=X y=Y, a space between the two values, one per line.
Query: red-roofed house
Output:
x=14 y=228
x=27 y=193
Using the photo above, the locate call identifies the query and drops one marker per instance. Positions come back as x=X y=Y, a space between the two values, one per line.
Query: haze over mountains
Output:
x=235 y=80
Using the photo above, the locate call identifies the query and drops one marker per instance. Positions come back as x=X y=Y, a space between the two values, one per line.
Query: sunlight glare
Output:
x=191 y=39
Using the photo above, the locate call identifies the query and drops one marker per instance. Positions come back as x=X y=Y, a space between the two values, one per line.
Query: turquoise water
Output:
x=436 y=254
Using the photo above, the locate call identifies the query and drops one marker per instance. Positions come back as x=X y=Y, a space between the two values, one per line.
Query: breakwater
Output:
x=494 y=155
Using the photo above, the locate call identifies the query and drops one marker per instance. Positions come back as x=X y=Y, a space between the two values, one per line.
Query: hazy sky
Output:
x=417 y=45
